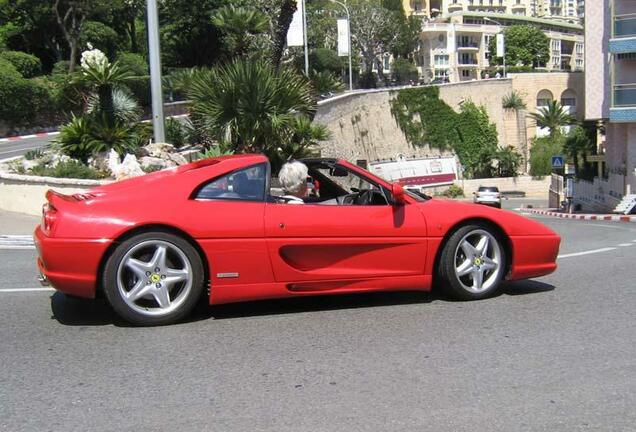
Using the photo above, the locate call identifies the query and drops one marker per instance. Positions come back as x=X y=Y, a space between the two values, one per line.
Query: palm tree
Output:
x=287 y=9
x=240 y=25
x=554 y=117
x=577 y=144
x=250 y=106
x=514 y=101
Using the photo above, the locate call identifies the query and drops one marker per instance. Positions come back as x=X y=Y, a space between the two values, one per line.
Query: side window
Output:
x=247 y=184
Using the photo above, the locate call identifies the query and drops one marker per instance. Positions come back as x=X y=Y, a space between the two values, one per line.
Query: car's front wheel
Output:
x=472 y=263
x=153 y=278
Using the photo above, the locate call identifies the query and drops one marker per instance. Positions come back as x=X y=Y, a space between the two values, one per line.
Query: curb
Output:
x=23 y=137
x=588 y=217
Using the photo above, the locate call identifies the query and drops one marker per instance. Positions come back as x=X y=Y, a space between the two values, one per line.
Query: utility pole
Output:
x=154 y=53
x=305 y=38
x=349 y=35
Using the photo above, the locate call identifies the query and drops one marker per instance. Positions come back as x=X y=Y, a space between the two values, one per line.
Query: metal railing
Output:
x=625 y=25
x=624 y=95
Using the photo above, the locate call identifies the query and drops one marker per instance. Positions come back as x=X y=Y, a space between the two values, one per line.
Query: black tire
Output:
x=179 y=252
x=452 y=257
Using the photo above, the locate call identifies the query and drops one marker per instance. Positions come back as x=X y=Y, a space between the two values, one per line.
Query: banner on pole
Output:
x=295 y=35
x=343 y=37
x=501 y=45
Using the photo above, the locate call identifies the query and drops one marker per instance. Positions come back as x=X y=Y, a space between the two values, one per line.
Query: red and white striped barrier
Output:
x=589 y=217
x=23 y=137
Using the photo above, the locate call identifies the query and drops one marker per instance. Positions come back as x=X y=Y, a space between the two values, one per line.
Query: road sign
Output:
x=557 y=162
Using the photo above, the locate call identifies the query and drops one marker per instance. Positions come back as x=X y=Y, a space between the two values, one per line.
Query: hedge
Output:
x=28 y=65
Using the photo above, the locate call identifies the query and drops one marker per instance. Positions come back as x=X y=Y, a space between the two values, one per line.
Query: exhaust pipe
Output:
x=44 y=281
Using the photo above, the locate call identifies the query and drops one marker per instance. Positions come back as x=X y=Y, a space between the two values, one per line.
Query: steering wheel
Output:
x=365 y=197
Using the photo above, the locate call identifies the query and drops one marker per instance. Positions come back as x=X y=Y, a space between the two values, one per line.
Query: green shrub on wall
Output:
x=425 y=119
x=541 y=153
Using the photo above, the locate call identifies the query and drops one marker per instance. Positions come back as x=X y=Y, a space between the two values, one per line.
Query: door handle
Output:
x=281 y=225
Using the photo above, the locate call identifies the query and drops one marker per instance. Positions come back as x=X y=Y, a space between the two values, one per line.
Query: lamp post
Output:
x=349 y=35
x=155 y=72
x=504 y=45
x=305 y=38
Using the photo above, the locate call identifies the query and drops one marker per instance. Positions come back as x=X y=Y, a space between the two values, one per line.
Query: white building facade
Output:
x=610 y=85
x=456 y=48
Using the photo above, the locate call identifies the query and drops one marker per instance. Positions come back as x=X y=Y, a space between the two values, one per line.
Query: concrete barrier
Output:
x=25 y=194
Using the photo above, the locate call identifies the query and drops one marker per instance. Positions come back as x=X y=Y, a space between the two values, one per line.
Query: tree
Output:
x=70 y=15
x=239 y=26
x=577 y=146
x=554 y=117
x=514 y=101
x=541 y=153
x=525 y=45
x=508 y=162
x=373 y=29
x=188 y=36
x=403 y=71
x=478 y=140
x=282 y=23
x=249 y=105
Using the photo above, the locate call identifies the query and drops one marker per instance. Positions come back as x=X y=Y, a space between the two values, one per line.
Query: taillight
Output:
x=49 y=215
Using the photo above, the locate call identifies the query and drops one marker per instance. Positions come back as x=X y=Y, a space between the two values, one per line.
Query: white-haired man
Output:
x=293 y=180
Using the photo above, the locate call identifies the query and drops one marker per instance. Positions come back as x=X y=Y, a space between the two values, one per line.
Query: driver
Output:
x=293 y=180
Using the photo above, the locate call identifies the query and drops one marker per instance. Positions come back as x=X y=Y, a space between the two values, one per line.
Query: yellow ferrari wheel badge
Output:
x=155 y=278
x=478 y=261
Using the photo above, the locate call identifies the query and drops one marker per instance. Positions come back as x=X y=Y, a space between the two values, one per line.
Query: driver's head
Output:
x=293 y=178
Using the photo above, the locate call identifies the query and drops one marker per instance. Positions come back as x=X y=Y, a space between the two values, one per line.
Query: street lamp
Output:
x=504 y=44
x=349 y=35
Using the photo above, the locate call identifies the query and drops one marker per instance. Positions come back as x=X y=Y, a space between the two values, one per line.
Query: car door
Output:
x=317 y=242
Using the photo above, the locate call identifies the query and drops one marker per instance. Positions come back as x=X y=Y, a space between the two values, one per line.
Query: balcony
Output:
x=623 y=34
x=455 y=7
x=468 y=45
x=623 y=107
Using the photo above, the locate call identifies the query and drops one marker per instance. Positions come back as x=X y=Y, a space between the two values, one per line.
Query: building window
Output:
x=466 y=73
x=441 y=60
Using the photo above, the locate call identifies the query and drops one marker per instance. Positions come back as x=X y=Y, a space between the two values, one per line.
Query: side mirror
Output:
x=398 y=194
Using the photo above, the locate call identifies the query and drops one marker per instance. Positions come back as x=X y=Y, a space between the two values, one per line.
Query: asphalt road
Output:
x=10 y=149
x=552 y=354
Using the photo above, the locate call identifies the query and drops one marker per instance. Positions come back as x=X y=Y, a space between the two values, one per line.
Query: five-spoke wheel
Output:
x=153 y=278
x=472 y=263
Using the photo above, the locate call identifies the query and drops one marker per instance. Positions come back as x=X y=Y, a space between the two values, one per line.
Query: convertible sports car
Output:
x=154 y=245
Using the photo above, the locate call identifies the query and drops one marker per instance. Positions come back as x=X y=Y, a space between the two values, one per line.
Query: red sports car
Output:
x=154 y=245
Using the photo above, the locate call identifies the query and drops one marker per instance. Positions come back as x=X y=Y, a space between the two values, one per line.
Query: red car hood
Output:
x=442 y=214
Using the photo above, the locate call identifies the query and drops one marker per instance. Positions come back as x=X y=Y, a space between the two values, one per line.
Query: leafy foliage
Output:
x=101 y=36
x=427 y=120
x=513 y=101
x=404 y=71
x=526 y=45
x=136 y=64
x=508 y=162
x=91 y=134
x=27 y=65
x=553 y=116
x=71 y=169
x=240 y=26
x=325 y=82
x=22 y=99
x=541 y=153
x=249 y=105
x=453 y=191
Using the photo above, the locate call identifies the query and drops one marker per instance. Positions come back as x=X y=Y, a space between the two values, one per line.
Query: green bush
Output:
x=21 y=99
x=541 y=153
x=454 y=191
x=60 y=68
x=135 y=63
x=324 y=59
x=28 y=65
x=88 y=135
x=70 y=169
x=403 y=71
x=100 y=36
x=368 y=80
x=140 y=88
x=176 y=132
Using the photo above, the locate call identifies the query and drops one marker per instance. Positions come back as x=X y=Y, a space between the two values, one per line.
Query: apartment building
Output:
x=610 y=86
x=456 y=47
x=571 y=10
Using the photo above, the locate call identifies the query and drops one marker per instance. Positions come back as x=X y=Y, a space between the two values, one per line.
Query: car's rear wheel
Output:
x=472 y=263
x=153 y=278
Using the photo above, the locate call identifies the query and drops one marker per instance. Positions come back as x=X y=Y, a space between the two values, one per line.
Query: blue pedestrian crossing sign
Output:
x=557 y=162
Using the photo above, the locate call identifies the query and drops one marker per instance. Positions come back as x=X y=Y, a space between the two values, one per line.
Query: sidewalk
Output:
x=17 y=223
x=581 y=216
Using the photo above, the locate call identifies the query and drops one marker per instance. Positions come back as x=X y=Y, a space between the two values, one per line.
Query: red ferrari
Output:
x=154 y=245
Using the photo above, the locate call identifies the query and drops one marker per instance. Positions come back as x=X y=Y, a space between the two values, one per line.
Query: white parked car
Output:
x=488 y=195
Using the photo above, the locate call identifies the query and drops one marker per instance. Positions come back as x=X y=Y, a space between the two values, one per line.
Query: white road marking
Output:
x=595 y=251
x=7 y=247
x=19 y=290
x=626 y=244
